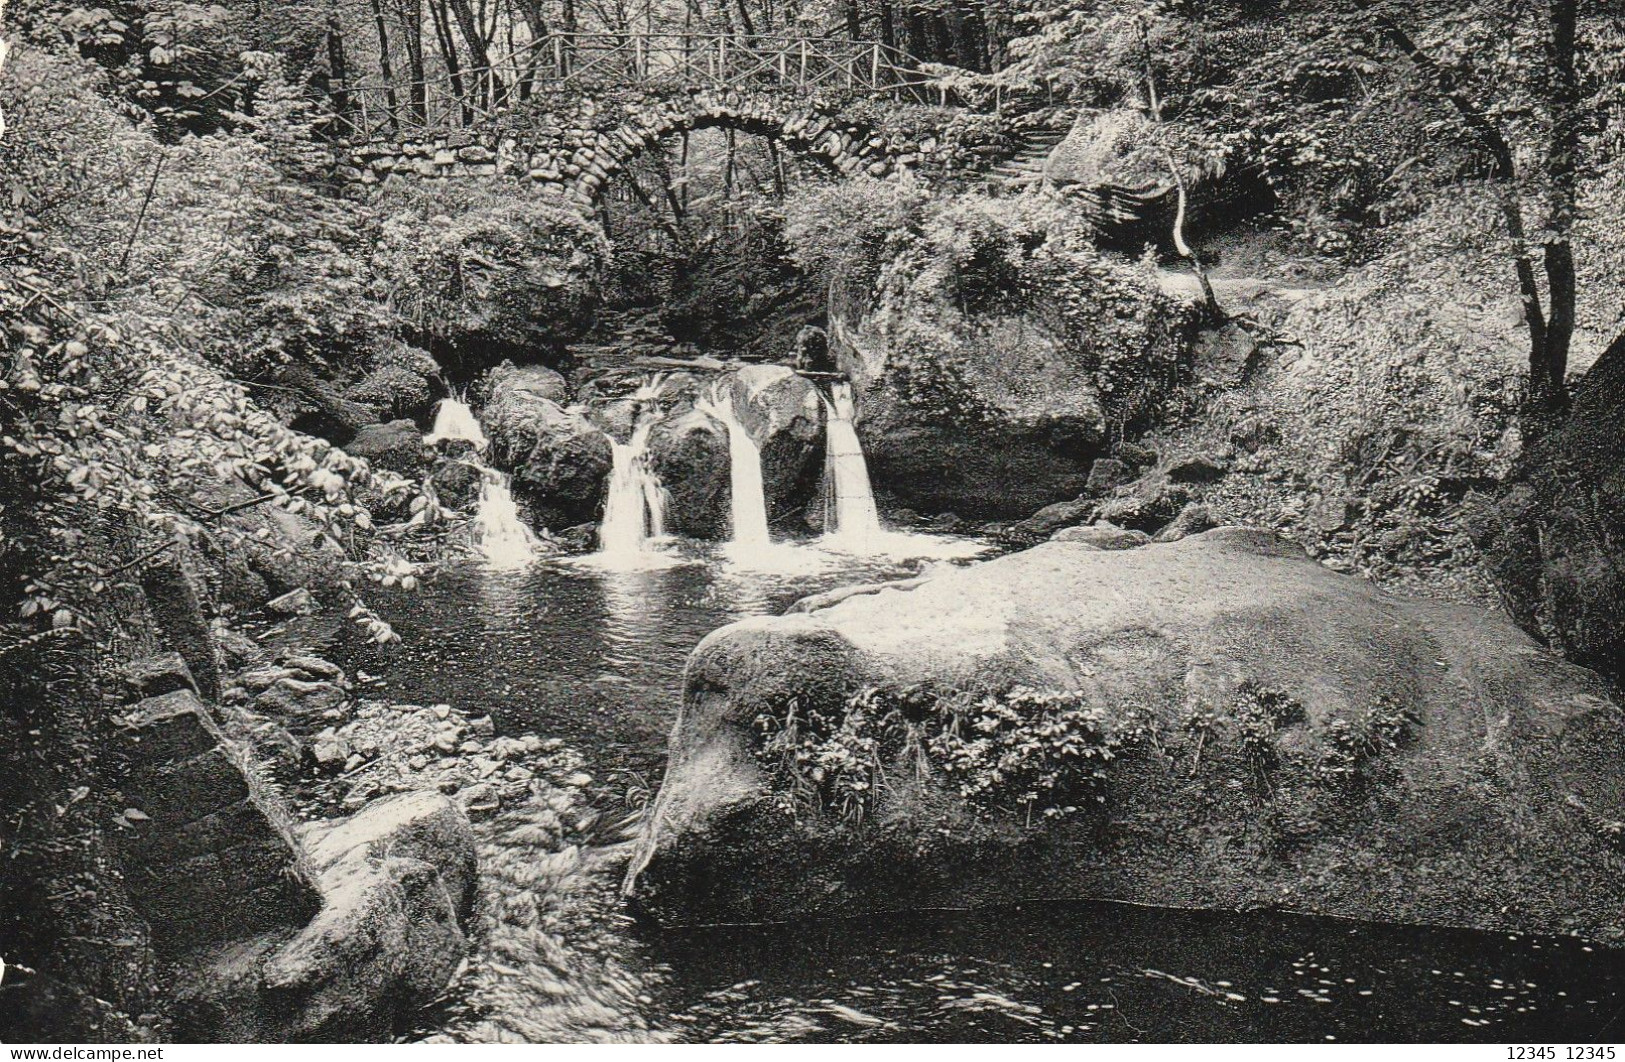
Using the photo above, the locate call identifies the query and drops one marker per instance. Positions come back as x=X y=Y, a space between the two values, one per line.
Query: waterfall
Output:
x=635 y=509
x=850 y=503
x=454 y=422
x=749 y=501
x=500 y=533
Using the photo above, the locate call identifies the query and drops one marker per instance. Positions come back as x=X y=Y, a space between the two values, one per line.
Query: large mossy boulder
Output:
x=485 y=280
x=557 y=458
x=689 y=452
x=998 y=354
x=689 y=449
x=1217 y=723
x=397 y=446
x=1553 y=541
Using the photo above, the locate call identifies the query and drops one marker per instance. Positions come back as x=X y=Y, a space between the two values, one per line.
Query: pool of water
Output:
x=568 y=649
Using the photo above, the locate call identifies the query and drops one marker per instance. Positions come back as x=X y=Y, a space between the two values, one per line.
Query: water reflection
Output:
x=636 y=610
x=1095 y=972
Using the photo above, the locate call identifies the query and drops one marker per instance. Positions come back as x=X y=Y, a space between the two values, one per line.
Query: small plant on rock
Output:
x=1036 y=752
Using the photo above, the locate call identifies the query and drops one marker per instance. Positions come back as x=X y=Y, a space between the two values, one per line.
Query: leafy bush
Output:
x=846 y=229
x=1017 y=751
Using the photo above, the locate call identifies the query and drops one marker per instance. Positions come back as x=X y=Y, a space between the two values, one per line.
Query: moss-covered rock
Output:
x=1552 y=541
x=689 y=452
x=558 y=459
x=508 y=278
x=1217 y=722
x=1000 y=355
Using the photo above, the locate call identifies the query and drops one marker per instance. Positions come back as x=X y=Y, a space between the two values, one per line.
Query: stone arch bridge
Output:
x=574 y=111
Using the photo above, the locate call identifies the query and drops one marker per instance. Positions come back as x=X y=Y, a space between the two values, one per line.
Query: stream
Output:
x=565 y=649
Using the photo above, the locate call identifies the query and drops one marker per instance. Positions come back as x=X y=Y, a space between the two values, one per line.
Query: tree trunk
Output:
x=448 y=54
x=384 y=65
x=854 y=26
x=1549 y=336
x=411 y=17
x=1548 y=386
x=888 y=26
x=488 y=85
x=778 y=168
x=1154 y=101
x=536 y=22
x=338 y=68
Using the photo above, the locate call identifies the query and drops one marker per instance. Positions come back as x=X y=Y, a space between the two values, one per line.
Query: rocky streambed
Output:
x=541 y=700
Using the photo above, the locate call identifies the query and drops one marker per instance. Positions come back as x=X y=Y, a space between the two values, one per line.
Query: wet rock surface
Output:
x=689 y=452
x=558 y=459
x=395 y=885
x=784 y=415
x=397 y=446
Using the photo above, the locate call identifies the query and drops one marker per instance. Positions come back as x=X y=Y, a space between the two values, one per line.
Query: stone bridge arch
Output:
x=846 y=146
x=574 y=150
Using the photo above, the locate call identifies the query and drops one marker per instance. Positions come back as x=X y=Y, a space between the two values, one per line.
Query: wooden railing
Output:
x=370 y=108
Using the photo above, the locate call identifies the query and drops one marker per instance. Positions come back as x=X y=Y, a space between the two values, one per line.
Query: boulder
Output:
x=1196 y=468
x=528 y=382
x=1216 y=723
x=1102 y=535
x=1193 y=519
x=1552 y=540
x=1050 y=519
x=1146 y=504
x=293 y=700
x=152 y=676
x=296 y=602
x=198 y=824
x=1107 y=473
x=397 y=446
x=396 y=882
x=557 y=459
x=1225 y=356
x=993 y=407
x=785 y=418
x=689 y=452
x=456 y=482
x=175 y=597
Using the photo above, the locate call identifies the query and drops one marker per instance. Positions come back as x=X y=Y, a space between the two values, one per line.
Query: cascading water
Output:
x=455 y=422
x=634 y=512
x=749 y=502
x=850 y=502
x=500 y=534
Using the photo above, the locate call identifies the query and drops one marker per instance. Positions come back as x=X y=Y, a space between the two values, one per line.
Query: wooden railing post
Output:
x=874 y=66
x=803 y=82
